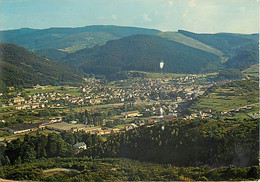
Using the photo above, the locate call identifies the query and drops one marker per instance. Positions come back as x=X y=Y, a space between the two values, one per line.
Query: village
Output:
x=94 y=92
x=159 y=99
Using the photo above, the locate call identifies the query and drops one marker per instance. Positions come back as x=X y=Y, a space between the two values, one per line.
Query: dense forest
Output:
x=53 y=54
x=179 y=142
x=41 y=146
x=89 y=169
x=21 y=67
x=243 y=60
x=143 y=52
x=186 y=143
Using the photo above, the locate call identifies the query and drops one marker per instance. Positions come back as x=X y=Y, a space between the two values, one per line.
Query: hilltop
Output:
x=228 y=43
x=69 y=39
x=178 y=37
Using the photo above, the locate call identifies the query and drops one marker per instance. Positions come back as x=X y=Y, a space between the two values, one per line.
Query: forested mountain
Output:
x=178 y=37
x=69 y=39
x=243 y=60
x=109 y=49
x=143 y=52
x=228 y=43
x=19 y=66
x=186 y=143
x=53 y=54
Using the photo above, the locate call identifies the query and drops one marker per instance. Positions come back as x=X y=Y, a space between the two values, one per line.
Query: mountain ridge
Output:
x=69 y=39
x=143 y=53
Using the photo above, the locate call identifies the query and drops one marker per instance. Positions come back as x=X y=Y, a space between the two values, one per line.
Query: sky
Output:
x=201 y=16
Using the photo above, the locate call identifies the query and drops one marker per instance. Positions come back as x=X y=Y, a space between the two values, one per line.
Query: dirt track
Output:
x=61 y=169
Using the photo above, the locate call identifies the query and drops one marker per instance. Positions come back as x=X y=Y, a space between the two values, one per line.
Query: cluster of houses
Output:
x=233 y=111
x=143 y=89
x=205 y=114
x=94 y=92
x=56 y=124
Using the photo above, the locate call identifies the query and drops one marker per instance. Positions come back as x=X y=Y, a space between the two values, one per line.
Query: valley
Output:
x=92 y=103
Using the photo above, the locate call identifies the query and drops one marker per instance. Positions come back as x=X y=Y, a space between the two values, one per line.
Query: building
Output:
x=93 y=130
x=169 y=117
x=65 y=127
x=24 y=128
x=131 y=114
x=73 y=122
x=130 y=127
x=80 y=146
x=18 y=100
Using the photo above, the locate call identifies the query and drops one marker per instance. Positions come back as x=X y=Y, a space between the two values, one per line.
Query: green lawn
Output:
x=252 y=71
x=219 y=103
x=7 y=136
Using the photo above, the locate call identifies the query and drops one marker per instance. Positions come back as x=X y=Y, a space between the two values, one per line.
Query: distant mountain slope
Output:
x=178 y=37
x=143 y=52
x=19 y=66
x=69 y=39
x=52 y=54
x=252 y=69
x=243 y=60
x=227 y=43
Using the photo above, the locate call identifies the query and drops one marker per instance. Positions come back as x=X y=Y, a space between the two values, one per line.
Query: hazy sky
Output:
x=166 y=15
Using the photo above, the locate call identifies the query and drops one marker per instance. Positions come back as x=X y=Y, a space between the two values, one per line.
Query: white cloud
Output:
x=147 y=18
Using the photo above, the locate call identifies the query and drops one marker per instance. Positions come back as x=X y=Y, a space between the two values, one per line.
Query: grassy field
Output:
x=229 y=97
x=58 y=89
x=221 y=103
x=170 y=75
x=9 y=137
x=252 y=71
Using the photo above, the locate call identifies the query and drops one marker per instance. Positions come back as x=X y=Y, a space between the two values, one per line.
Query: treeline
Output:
x=251 y=85
x=91 y=118
x=229 y=74
x=186 y=143
x=99 y=118
x=41 y=146
x=122 y=170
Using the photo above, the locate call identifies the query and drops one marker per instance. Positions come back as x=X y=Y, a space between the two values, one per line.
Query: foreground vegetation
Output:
x=108 y=169
x=177 y=142
x=186 y=143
